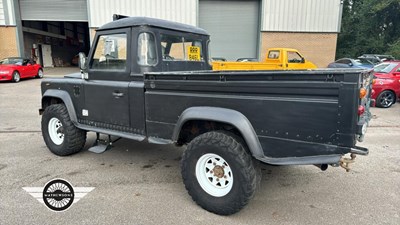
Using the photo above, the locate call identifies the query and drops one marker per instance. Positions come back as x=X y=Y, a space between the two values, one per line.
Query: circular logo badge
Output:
x=58 y=195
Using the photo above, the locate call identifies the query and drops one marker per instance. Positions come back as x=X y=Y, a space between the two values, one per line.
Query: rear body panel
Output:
x=294 y=114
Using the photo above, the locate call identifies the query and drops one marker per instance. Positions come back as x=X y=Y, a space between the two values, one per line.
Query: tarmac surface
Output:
x=140 y=183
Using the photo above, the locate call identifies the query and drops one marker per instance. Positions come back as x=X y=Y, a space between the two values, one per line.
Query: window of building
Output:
x=110 y=52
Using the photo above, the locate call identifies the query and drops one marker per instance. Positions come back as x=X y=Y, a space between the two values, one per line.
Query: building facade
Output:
x=238 y=28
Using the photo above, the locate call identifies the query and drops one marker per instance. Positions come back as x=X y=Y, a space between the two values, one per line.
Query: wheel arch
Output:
x=220 y=117
x=59 y=96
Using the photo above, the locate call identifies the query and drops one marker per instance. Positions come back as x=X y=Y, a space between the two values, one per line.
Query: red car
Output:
x=386 y=86
x=15 y=69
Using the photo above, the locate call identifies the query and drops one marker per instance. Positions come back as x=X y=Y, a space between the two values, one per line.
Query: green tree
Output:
x=369 y=26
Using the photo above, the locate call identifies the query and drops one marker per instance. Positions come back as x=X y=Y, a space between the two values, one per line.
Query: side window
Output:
x=294 y=57
x=344 y=61
x=273 y=54
x=146 y=50
x=110 y=52
x=176 y=48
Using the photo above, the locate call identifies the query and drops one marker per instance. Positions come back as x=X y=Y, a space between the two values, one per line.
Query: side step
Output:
x=101 y=146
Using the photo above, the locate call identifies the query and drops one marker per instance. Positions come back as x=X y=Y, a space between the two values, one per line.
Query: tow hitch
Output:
x=345 y=162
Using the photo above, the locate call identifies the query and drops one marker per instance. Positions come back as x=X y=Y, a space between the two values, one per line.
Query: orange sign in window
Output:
x=194 y=53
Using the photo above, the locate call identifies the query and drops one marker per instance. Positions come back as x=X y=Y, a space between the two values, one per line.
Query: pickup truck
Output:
x=150 y=80
x=276 y=59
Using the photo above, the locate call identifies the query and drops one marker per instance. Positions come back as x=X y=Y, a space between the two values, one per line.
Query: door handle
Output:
x=118 y=94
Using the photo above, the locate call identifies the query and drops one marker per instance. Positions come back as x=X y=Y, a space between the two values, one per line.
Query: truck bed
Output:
x=293 y=113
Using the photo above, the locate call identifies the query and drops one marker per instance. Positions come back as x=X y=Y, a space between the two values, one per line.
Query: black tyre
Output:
x=16 y=77
x=59 y=133
x=219 y=173
x=40 y=73
x=385 y=99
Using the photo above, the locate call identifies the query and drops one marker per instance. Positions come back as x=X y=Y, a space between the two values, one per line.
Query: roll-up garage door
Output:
x=54 y=10
x=233 y=26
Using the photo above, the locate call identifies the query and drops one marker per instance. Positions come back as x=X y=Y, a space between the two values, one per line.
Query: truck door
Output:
x=295 y=60
x=106 y=89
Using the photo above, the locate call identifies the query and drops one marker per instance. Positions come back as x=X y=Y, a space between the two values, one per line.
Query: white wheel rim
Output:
x=40 y=73
x=56 y=131
x=214 y=175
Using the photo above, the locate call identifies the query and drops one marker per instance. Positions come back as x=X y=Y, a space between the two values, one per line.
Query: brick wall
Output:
x=319 y=48
x=8 y=42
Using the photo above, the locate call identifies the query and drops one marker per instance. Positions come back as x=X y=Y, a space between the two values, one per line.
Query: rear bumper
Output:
x=359 y=150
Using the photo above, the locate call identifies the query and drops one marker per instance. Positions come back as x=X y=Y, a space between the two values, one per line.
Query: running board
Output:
x=101 y=146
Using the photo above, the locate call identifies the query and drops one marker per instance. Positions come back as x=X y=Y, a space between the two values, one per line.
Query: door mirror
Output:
x=83 y=65
x=350 y=64
x=397 y=73
x=82 y=61
x=302 y=60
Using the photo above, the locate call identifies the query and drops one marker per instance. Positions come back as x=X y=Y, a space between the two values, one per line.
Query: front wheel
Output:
x=59 y=133
x=40 y=73
x=219 y=173
x=385 y=99
x=16 y=77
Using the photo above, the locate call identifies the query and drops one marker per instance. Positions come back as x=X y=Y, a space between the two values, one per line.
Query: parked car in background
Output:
x=351 y=63
x=15 y=68
x=376 y=58
x=247 y=60
x=221 y=59
x=275 y=59
x=386 y=85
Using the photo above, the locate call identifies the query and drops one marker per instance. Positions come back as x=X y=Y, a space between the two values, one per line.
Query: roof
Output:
x=147 y=21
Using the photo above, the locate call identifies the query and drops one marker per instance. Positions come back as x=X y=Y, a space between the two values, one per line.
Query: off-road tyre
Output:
x=232 y=150
x=73 y=138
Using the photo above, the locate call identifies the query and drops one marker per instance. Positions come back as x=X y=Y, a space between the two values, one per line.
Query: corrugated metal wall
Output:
x=183 y=11
x=54 y=10
x=7 y=13
x=2 y=19
x=232 y=36
x=301 y=15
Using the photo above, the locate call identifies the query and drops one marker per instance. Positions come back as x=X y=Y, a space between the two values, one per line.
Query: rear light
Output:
x=363 y=92
x=361 y=110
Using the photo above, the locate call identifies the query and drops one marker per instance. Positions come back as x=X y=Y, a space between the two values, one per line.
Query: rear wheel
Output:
x=16 y=77
x=39 y=73
x=385 y=99
x=59 y=133
x=219 y=173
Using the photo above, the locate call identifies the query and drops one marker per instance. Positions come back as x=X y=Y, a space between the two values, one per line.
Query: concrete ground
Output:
x=140 y=183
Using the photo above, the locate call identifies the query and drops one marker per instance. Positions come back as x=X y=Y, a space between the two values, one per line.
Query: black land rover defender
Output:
x=150 y=80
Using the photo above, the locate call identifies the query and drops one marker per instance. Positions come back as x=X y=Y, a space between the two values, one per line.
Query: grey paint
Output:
x=54 y=10
x=19 y=32
x=223 y=115
x=233 y=26
x=6 y=16
x=66 y=98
